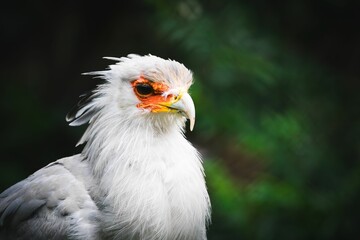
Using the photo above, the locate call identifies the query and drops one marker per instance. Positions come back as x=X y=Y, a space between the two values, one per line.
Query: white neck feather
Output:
x=149 y=175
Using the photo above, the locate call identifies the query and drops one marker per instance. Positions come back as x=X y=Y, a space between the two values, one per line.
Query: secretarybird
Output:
x=137 y=177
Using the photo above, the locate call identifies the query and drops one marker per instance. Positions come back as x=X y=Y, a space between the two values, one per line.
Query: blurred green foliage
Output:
x=276 y=90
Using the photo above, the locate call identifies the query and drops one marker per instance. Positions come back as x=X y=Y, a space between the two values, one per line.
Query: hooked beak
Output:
x=185 y=105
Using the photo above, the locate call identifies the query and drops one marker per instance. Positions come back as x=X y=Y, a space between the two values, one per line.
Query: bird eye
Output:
x=144 y=90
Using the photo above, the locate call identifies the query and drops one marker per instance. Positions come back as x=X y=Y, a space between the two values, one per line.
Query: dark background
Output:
x=276 y=91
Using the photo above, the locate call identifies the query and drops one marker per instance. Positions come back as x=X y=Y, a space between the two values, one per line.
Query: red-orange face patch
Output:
x=151 y=95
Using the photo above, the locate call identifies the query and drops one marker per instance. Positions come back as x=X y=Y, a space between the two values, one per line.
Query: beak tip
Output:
x=192 y=124
x=186 y=106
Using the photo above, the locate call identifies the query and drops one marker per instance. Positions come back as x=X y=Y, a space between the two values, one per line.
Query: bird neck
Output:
x=116 y=144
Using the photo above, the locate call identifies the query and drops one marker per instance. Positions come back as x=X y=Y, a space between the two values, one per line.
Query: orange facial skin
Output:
x=156 y=101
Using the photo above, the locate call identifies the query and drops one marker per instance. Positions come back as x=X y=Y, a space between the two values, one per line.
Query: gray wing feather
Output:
x=16 y=207
x=11 y=190
x=10 y=209
x=53 y=203
x=26 y=209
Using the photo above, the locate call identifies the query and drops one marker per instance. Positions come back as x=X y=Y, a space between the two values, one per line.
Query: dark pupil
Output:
x=144 y=89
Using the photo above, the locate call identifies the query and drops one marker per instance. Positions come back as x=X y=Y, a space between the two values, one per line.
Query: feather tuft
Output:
x=83 y=111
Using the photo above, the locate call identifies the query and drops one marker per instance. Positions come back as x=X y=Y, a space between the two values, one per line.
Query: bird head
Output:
x=140 y=89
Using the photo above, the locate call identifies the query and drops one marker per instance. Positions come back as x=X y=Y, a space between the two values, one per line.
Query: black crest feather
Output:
x=83 y=111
